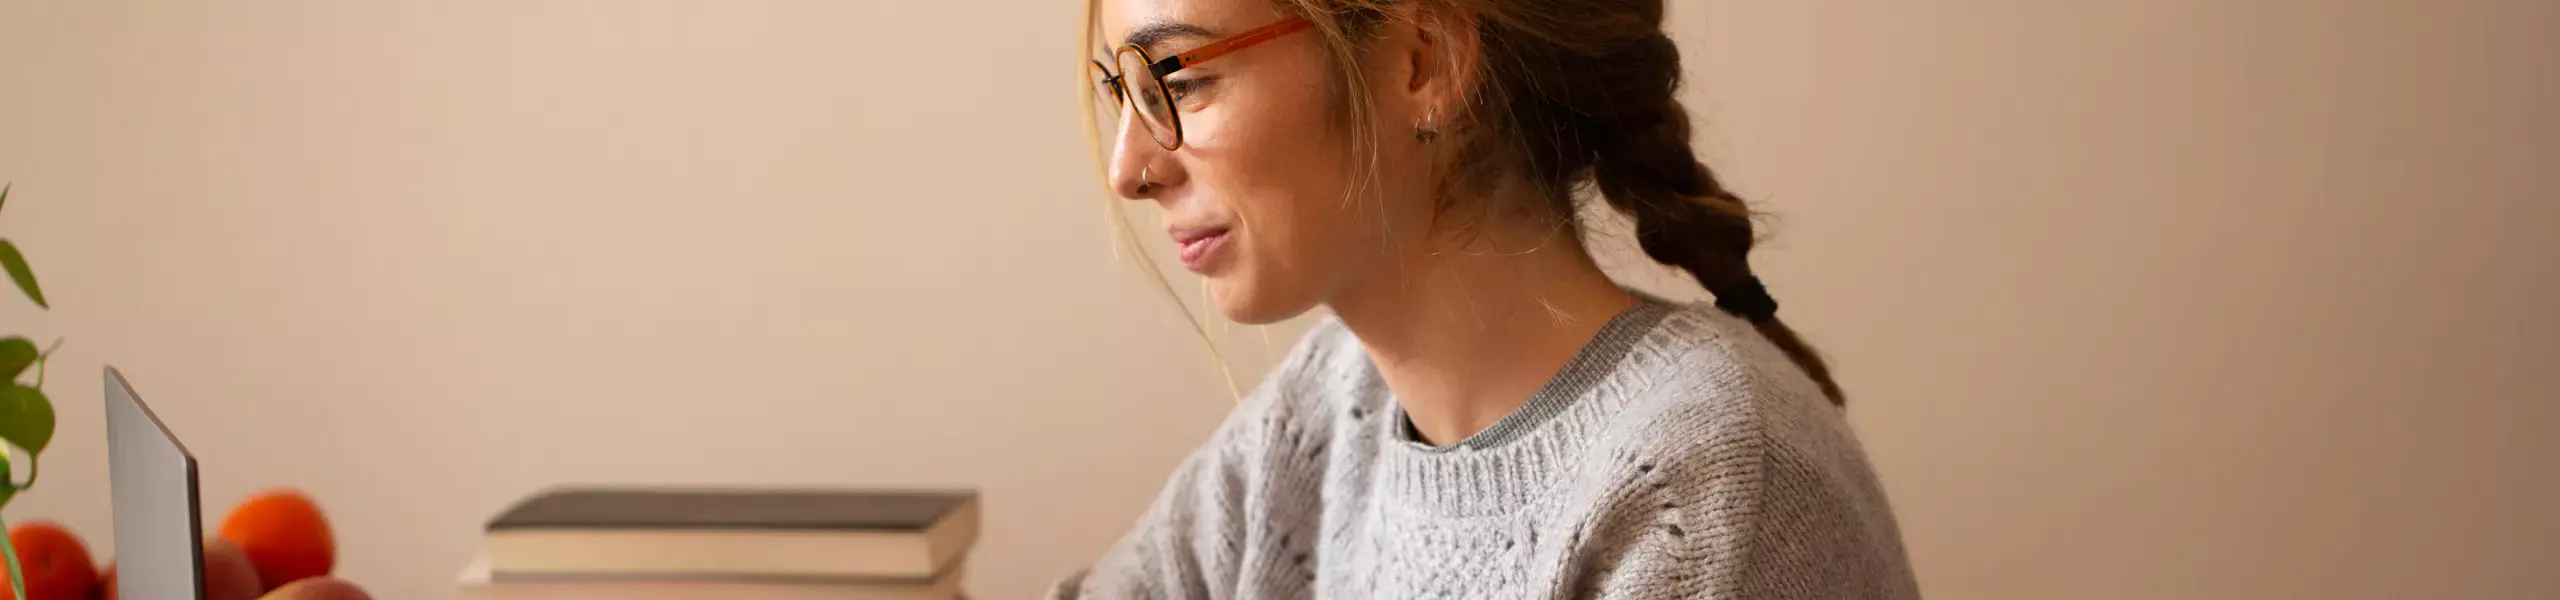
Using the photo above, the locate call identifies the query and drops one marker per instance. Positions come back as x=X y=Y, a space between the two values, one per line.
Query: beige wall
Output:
x=2136 y=299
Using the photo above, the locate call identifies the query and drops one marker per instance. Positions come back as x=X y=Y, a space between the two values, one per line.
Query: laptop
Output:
x=159 y=527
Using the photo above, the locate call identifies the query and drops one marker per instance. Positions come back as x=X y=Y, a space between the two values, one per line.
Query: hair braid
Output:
x=1603 y=103
x=1683 y=215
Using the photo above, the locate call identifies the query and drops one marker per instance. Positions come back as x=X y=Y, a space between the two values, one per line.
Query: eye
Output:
x=1106 y=89
x=1184 y=89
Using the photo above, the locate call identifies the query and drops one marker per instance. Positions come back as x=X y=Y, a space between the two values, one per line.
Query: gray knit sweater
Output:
x=1678 y=455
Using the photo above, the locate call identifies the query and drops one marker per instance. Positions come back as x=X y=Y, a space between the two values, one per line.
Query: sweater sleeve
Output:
x=1745 y=511
x=1227 y=523
x=1181 y=547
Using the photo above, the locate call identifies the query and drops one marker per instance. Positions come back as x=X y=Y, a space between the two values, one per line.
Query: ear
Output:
x=1441 y=56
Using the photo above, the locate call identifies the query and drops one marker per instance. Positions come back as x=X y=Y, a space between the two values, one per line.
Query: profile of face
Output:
x=1260 y=194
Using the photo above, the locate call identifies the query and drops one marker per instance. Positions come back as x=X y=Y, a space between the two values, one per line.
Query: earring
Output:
x=1427 y=128
x=1145 y=182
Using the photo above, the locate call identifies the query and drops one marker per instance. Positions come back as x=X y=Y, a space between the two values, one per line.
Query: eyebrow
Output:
x=1147 y=36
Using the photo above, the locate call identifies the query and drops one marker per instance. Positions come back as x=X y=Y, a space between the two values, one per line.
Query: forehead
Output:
x=1116 y=19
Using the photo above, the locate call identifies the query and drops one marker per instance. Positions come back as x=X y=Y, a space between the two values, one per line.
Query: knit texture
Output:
x=1678 y=455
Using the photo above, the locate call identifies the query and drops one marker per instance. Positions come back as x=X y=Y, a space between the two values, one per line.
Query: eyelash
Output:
x=1180 y=90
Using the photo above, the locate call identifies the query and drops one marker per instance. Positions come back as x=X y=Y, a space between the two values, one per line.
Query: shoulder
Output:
x=1707 y=383
x=1728 y=458
x=1728 y=414
x=1727 y=424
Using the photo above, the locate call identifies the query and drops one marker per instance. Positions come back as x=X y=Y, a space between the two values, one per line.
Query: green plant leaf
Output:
x=26 y=418
x=8 y=483
x=4 y=194
x=17 y=266
x=15 y=354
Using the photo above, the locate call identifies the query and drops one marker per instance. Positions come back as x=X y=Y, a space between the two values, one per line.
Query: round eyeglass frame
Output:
x=1112 y=84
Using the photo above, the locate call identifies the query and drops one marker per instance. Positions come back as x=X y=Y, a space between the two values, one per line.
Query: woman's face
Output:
x=1257 y=197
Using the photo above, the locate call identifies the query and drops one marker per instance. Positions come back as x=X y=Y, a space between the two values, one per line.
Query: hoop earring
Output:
x=1427 y=128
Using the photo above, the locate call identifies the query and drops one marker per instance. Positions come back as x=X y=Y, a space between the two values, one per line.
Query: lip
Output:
x=1200 y=245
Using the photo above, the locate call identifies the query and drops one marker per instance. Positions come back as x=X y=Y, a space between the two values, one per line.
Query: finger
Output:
x=228 y=574
x=318 y=588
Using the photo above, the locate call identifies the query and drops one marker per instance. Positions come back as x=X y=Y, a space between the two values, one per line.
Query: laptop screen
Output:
x=159 y=531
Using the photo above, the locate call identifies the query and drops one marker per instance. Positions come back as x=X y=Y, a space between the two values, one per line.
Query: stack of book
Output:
x=636 y=543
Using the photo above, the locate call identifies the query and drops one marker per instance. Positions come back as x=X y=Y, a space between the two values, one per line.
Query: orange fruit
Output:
x=284 y=535
x=56 y=564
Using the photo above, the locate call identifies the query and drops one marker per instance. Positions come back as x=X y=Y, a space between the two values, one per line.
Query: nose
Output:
x=1140 y=169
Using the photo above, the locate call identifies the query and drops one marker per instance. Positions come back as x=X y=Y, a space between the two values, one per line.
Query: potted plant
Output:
x=26 y=417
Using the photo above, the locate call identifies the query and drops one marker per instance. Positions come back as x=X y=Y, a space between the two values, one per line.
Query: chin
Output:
x=1243 y=299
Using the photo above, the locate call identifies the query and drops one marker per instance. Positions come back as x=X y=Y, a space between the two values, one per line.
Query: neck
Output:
x=1464 y=336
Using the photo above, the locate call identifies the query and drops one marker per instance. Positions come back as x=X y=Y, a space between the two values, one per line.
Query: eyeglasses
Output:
x=1155 y=104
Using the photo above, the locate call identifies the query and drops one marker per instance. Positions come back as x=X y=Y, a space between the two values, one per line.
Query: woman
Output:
x=1485 y=414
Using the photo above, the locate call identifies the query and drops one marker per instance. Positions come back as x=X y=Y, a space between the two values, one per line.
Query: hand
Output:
x=229 y=576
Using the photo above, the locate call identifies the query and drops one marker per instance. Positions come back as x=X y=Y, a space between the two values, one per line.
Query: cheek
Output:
x=1280 y=168
x=1298 y=211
